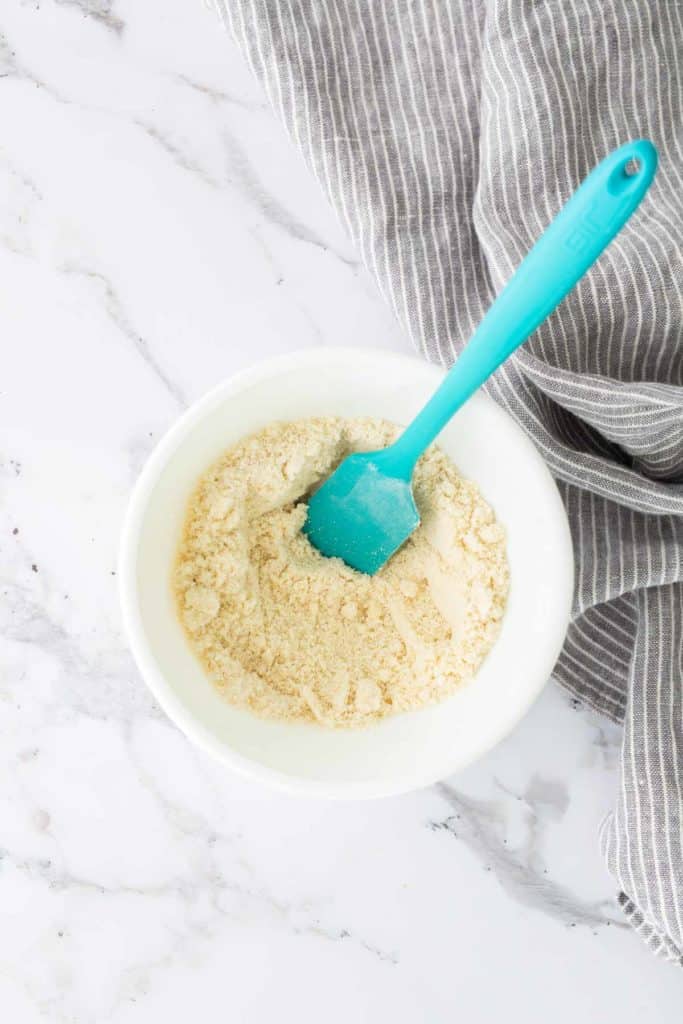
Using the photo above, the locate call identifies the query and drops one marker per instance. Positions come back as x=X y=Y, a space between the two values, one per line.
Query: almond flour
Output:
x=289 y=634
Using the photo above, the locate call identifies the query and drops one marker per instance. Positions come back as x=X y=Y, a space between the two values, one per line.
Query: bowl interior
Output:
x=412 y=749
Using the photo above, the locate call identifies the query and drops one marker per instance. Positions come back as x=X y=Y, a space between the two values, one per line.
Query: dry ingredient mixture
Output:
x=290 y=634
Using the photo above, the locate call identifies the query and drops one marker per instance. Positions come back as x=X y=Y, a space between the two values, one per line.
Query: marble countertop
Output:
x=157 y=232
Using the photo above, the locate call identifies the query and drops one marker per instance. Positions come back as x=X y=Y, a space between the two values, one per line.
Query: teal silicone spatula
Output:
x=365 y=511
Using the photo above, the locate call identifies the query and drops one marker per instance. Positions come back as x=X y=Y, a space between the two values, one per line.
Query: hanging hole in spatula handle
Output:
x=635 y=170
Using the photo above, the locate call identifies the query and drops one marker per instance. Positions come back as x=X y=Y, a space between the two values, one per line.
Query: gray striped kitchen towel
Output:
x=447 y=134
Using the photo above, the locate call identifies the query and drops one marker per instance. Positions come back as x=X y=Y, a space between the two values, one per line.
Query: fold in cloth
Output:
x=447 y=134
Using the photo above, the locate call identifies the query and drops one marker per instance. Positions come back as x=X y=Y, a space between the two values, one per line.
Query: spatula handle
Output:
x=569 y=246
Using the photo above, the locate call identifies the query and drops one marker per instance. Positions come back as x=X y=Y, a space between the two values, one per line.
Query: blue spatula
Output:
x=365 y=511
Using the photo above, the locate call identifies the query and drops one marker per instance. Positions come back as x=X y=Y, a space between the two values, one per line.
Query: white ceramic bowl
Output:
x=413 y=749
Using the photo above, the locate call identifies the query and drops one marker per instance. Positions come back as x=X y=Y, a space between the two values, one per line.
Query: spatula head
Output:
x=361 y=514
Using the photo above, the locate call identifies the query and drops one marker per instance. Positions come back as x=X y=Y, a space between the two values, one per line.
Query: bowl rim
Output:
x=144 y=657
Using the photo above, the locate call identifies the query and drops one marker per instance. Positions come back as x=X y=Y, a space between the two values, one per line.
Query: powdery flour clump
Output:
x=289 y=634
